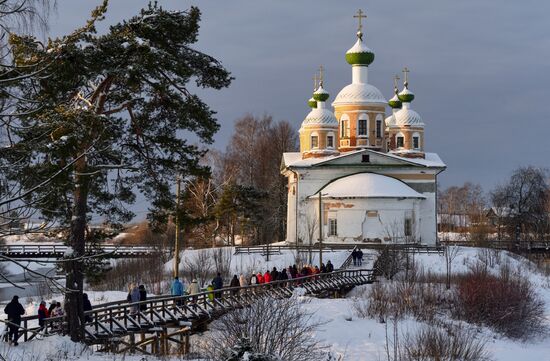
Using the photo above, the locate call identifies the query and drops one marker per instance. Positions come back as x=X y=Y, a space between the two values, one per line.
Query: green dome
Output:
x=312 y=103
x=406 y=96
x=320 y=94
x=360 y=54
x=394 y=102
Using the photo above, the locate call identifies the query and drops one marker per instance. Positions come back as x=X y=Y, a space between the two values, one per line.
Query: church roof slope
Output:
x=294 y=159
x=368 y=185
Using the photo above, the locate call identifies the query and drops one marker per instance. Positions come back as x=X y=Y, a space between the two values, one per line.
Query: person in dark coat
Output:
x=294 y=271
x=52 y=307
x=323 y=268
x=14 y=310
x=330 y=266
x=42 y=314
x=354 y=256
x=217 y=282
x=359 y=257
x=86 y=306
x=274 y=274
x=234 y=283
x=142 y=297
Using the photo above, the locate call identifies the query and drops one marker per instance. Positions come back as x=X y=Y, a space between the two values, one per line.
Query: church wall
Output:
x=358 y=220
x=311 y=180
x=428 y=225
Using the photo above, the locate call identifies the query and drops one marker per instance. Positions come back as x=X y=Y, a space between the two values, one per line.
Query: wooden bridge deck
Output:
x=163 y=324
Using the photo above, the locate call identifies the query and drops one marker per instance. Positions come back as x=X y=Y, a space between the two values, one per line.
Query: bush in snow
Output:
x=506 y=302
x=444 y=344
x=280 y=328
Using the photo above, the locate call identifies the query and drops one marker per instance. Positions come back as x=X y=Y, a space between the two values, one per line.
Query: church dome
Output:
x=320 y=94
x=406 y=96
x=360 y=54
x=394 y=102
x=312 y=103
x=359 y=93
x=320 y=116
x=407 y=116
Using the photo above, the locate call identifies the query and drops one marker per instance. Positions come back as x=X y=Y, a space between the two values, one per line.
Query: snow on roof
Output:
x=407 y=116
x=359 y=47
x=294 y=159
x=369 y=185
x=359 y=93
x=320 y=116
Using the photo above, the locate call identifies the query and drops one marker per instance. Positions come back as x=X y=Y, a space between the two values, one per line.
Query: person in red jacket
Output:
x=43 y=313
x=267 y=277
x=260 y=278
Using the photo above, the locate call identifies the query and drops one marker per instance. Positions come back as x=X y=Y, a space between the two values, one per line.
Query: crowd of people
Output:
x=138 y=293
x=14 y=310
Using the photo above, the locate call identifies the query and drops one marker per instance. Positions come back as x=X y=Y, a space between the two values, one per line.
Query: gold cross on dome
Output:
x=360 y=16
x=320 y=75
x=315 y=82
x=395 y=80
x=406 y=73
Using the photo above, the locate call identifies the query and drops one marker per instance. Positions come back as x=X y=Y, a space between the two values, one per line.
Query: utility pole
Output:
x=177 y=223
x=320 y=231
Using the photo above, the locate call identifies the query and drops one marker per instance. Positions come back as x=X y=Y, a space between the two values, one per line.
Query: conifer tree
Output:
x=105 y=121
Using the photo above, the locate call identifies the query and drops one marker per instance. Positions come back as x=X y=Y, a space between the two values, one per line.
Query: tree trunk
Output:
x=75 y=269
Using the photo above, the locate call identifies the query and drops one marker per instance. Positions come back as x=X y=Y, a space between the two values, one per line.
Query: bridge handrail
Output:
x=124 y=305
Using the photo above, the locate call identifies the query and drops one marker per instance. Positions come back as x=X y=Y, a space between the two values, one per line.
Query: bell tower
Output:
x=360 y=107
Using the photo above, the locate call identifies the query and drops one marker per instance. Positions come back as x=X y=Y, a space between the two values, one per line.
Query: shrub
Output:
x=443 y=344
x=507 y=303
x=277 y=328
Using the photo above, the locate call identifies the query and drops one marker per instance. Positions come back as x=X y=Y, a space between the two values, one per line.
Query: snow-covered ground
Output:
x=364 y=339
x=346 y=334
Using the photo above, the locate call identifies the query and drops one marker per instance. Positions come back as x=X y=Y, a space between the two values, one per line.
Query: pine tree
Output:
x=105 y=120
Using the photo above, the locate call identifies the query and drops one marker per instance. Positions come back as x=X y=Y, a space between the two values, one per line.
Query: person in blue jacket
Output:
x=177 y=289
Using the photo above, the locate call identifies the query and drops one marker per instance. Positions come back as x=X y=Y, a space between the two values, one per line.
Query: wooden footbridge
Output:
x=162 y=325
x=32 y=251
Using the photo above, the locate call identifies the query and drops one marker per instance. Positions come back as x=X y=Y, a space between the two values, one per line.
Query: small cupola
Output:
x=405 y=126
x=319 y=129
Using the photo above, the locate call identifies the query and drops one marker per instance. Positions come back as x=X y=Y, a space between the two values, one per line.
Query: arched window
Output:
x=400 y=140
x=330 y=140
x=362 y=125
x=314 y=140
x=416 y=140
x=379 y=126
x=344 y=126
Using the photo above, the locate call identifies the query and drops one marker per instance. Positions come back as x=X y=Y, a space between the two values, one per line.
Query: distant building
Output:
x=367 y=174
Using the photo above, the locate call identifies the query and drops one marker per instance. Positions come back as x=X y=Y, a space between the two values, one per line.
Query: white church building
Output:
x=362 y=177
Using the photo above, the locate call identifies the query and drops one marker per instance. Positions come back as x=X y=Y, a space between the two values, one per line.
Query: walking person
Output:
x=42 y=314
x=14 y=310
x=177 y=289
x=142 y=297
x=217 y=282
x=267 y=277
x=134 y=297
x=354 y=256
x=360 y=257
x=234 y=284
x=242 y=281
x=86 y=306
x=330 y=267
x=253 y=280
x=193 y=287
x=51 y=308
x=210 y=290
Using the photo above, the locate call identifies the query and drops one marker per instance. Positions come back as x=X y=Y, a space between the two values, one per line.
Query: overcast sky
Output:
x=479 y=68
